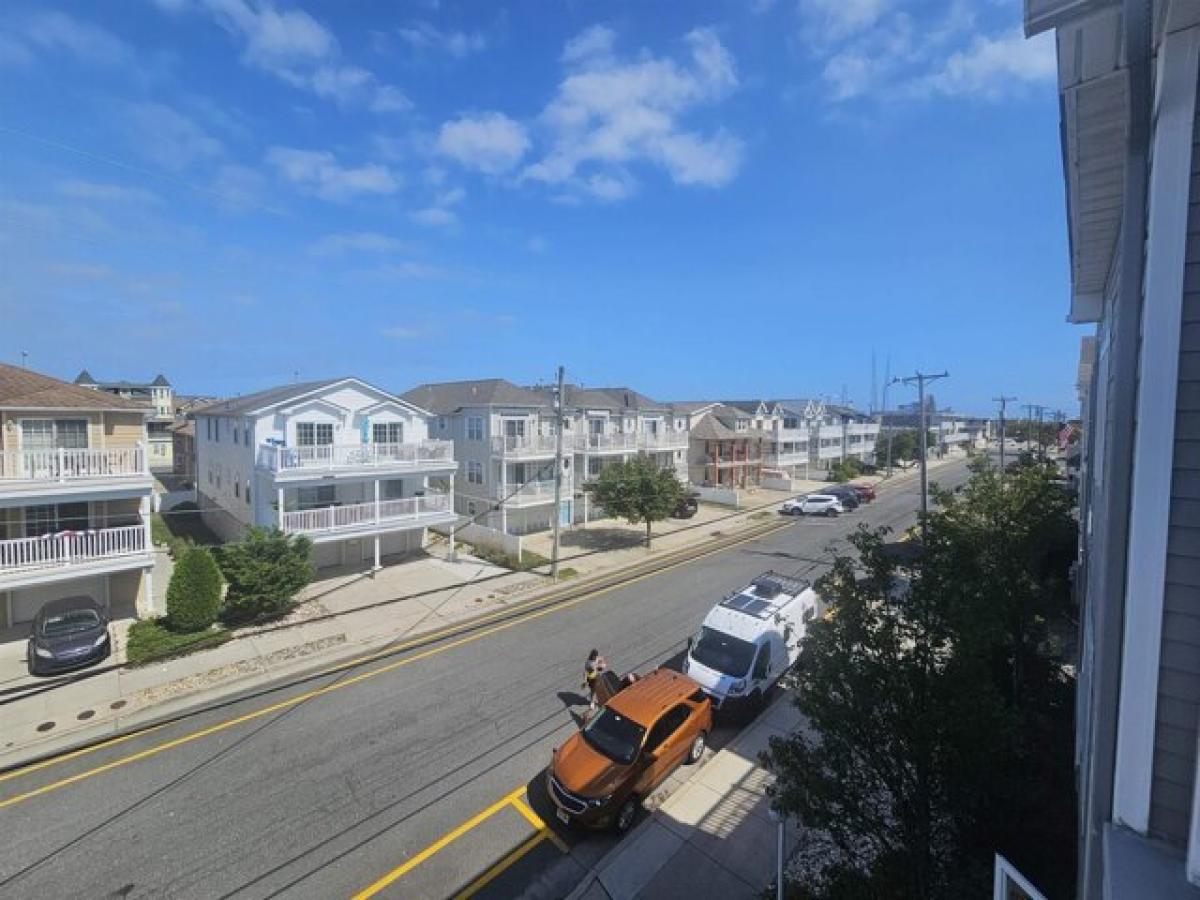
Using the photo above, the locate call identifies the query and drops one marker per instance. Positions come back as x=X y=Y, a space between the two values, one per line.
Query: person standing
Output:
x=591 y=671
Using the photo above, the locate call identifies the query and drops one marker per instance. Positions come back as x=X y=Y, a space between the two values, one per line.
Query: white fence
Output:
x=357 y=515
x=70 y=547
x=663 y=440
x=61 y=464
x=527 y=444
x=722 y=496
x=356 y=456
x=602 y=443
x=482 y=536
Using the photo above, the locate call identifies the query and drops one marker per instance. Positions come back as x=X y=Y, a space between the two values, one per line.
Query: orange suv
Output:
x=642 y=735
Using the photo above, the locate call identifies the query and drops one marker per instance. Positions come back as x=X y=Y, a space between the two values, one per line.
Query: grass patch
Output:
x=762 y=514
x=150 y=641
x=568 y=572
x=529 y=559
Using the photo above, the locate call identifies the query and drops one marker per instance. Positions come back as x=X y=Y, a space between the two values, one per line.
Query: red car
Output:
x=865 y=492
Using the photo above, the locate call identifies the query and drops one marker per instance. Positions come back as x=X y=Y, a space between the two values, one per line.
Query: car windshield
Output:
x=723 y=652
x=614 y=735
x=72 y=621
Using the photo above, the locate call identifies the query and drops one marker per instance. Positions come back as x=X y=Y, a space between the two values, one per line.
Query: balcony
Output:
x=534 y=493
x=72 y=466
x=663 y=440
x=350 y=519
x=71 y=550
x=788 y=458
x=525 y=446
x=610 y=443
x=350 y=459
x=862 y=429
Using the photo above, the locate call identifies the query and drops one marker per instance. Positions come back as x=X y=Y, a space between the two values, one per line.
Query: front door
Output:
x=669 y=743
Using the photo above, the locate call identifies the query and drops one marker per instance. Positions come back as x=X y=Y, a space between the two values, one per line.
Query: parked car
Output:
x=821 y=505
x=865 y=492
x=792 y=507
x=750 y=639
x=68 y=633
x=845 y=493
x=600 y=775
x=686 y=508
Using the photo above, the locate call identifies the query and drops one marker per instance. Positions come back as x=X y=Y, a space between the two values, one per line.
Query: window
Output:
x=470 y=507
x=216 y=431
x=595 y=426
x=593 y=466
x=392 y=490
x=762 y=666
x=210 y=476
x=441 y=423
x=791 y=422
x=246 y=433
x=726 y=654
x=387 y=433
x=475 y=428
x=474 y=472
x=314 y=434
x=51 y=434
x=237 y=489
x=666 y=726
x=235 y=434
x=48 y=519
x=316 y=497
x=208 y=428
x=247 y=493
x=514 y=428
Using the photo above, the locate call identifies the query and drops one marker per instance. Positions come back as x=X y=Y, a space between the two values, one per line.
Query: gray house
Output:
x=1127 y=76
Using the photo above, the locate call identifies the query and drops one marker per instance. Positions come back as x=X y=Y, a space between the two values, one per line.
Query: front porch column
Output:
x=503 y=496
x=376 y=516
x=378 y=565
x=452 y=556
x=151 y=604
x=279 y=503
x=146 y=516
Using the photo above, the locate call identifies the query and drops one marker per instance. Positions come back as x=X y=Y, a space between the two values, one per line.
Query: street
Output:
x=406 y=774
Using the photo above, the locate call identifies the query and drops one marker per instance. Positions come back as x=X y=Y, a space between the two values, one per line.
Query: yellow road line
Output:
x=341 y=685
x=442 y=842
x=82 y=751
x=495 y=871
x=537 y=822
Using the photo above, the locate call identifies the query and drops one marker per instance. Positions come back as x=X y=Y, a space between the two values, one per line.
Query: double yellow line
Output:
x=515 y=800
x=519 y=615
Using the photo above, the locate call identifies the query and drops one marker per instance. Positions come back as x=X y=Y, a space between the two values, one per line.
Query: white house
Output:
x=75 y=491
x=343 y=462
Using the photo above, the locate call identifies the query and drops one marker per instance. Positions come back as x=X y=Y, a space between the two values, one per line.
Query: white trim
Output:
x=1158 y=375
x=1005 y=875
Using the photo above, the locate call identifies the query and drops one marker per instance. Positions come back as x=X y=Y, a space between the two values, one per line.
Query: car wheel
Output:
x=831 y=513
x=755 y=705
x=697 y=750
x=625 y=816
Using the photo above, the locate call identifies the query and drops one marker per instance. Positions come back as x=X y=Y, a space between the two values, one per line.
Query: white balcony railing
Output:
x=77 y=464
x=607 y=443
x=355 y=456
x=68 y=548
x=789 y=458
x=530 y=494
x=517 y=445
x=663 y=440
x=359 y=515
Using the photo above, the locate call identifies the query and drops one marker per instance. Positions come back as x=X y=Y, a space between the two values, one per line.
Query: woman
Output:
x=591 y=671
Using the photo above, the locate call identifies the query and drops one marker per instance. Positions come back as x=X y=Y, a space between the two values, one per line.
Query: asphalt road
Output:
x=409 y=767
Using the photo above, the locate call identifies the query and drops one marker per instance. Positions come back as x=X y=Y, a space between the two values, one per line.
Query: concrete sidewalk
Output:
x=713 y=837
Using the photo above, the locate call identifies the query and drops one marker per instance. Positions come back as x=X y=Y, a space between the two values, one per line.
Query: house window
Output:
x=595 y=426
x=441 y=423
x=247 y=493
x=41 y=520
x=237 y=489
x=387 y=432
x=210 y=477
x=208 y=428
x=316 y=497
x=393 y=490
x=593 y=466
x=235 y=434
x=474 y=472
x=246 y=433
x=314 y=434
x=53 y=434
x=470 y=508
x=475 y=428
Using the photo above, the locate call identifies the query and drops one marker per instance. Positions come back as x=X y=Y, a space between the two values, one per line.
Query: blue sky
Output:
x=695 y=199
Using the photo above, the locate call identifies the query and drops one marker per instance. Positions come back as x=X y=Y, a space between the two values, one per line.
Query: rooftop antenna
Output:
x=24 y=359
x=874 y=384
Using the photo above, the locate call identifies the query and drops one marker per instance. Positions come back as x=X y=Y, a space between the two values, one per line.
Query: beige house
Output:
x=75 y=491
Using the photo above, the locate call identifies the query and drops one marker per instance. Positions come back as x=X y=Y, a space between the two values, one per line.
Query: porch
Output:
x=310 y=460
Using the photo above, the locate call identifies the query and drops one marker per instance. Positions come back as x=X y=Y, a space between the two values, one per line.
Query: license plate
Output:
x=563 y=817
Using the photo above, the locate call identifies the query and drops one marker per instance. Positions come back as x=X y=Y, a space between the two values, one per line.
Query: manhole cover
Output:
x=45 y=726
x=85 y=715
x=117 y=704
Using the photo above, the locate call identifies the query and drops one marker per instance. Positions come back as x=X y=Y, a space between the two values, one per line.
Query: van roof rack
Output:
x=760 y=597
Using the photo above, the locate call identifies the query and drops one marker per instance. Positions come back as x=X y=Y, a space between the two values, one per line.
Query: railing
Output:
x=830 y=431
x=790 y=458
x=533 y=492
x=663 y=440
x=724 y=461
x=71 y=547
x=862 y=428
x=61 y=464
x=527 y=444
x=600 y=443
x=357 y=515
x=355 y=456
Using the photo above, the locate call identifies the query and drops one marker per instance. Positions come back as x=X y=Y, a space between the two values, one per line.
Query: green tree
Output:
x=845 y=469
x=938 y=706
x=906 y=445
x=194 y=594
x=264 y=571
x=637 y=490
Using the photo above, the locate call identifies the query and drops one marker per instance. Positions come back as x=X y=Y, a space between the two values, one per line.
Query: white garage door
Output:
x=397 y=542
x=27 y=601
x=328 y=554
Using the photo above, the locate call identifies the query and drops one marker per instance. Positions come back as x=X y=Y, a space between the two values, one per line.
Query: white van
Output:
x=750 y=639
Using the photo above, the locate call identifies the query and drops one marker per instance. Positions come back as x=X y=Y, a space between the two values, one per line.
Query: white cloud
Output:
x=440 y=213
x=239 y=187
x=105 y=192
x=169 y=138
x=58 y=32
x=318 y=171
x=425 y=36
x=609 y=114
x=991 y=67
x=490 y=142
x=357 y=242
x=828 y=20
x=390 y=99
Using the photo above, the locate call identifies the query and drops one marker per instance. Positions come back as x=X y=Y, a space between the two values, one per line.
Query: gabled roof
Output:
x=617 y=399
x=23 y=389
x=260 y=399
x=85 y=377
x=160 y=381
x=718 y=425
x=449 y=396
x=687 y=407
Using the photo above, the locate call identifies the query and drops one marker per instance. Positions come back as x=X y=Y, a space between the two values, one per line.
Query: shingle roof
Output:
x=85 y=377
x=690 y=406
x=715 y=426
x=612 y=398
x=23 y=389
x=449 y=396
x=268 y=397
x=161 y=381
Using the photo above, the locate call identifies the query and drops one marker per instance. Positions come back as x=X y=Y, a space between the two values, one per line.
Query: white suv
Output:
x=818 y=505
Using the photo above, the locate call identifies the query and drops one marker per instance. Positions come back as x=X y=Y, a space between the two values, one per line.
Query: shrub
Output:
x=194 y=594
x=149 y=641
x=264 y=572
x=845 y=469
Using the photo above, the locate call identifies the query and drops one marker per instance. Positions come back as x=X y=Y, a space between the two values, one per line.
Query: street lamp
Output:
x=920 y=379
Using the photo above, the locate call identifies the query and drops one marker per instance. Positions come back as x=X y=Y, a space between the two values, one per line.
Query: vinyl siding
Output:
x=1175 y=729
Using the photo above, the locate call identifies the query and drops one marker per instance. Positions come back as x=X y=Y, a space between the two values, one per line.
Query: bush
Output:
x=149 y=641
x=194 y=594
x=846 y=469
x=529 y=559
x=264 y=572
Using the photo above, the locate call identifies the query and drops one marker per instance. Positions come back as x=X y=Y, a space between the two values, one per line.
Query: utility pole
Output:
x=1041 y=434
x=559 y=403
x=1003 y=401
x=920 y=379
x=24 y=359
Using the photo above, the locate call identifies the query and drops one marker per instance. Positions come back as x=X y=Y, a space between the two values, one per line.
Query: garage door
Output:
x=397 y=542
x=27 y=601
x=329 y=554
